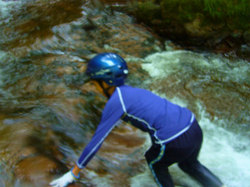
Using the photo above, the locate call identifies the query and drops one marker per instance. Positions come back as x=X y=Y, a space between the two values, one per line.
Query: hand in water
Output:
x=65 y=180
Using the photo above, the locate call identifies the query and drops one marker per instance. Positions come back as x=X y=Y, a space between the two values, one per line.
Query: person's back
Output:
x=149 y=112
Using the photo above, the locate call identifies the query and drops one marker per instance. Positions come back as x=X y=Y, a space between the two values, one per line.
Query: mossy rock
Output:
x=196 y=22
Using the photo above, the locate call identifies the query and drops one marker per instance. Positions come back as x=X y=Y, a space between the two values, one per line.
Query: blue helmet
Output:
x=109 y=67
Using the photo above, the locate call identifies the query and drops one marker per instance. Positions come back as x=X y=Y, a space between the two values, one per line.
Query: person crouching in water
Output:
x=175 y=133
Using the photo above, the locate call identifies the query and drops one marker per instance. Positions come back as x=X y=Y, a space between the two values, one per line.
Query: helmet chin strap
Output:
x=105 y=90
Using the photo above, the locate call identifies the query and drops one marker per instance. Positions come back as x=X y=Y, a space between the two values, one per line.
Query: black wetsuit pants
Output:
x=183 y=150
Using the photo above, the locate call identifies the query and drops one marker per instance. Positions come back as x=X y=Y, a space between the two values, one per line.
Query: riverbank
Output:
x=216 y=26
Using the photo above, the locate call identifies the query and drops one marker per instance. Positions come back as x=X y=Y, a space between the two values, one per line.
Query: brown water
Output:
x=48 y=114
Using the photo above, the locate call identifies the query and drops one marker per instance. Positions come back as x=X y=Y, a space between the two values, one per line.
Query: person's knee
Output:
x=184 y=166
x=190 y=167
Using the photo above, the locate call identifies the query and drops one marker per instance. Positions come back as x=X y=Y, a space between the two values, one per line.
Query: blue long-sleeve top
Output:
x=163 y=120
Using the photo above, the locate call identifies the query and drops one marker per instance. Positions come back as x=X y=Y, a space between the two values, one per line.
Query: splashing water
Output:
x=225 y=151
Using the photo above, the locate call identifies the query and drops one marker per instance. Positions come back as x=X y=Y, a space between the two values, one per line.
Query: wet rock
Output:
x=195 y=29
x=67 y=107
x=36 y=170
x=123 y=142
x=244 y=52
x=13 y=137
x=36 y=22
x=246 y=36
x=120 y=157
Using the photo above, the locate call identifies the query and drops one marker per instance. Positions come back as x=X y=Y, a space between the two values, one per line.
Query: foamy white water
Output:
x=163 y=64
x=2 y=57
x=224 y=152
x=6 y=7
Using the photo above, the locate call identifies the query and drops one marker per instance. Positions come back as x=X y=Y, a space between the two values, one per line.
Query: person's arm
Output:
x=94 y=145
x=87 y=154
x=111 y=115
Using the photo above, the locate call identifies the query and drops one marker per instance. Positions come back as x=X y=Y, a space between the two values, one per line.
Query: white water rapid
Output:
x=225 y=152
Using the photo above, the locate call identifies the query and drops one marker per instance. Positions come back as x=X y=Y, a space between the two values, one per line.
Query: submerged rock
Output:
x=35 y=170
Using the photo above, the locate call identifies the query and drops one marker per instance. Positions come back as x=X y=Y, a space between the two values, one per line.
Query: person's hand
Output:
x=66 y=179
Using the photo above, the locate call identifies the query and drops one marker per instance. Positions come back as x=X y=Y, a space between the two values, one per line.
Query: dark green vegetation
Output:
x=199 y=20
x=234 y=13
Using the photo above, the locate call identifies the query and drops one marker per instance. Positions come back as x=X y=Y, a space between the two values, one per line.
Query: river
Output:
x=48 y=113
